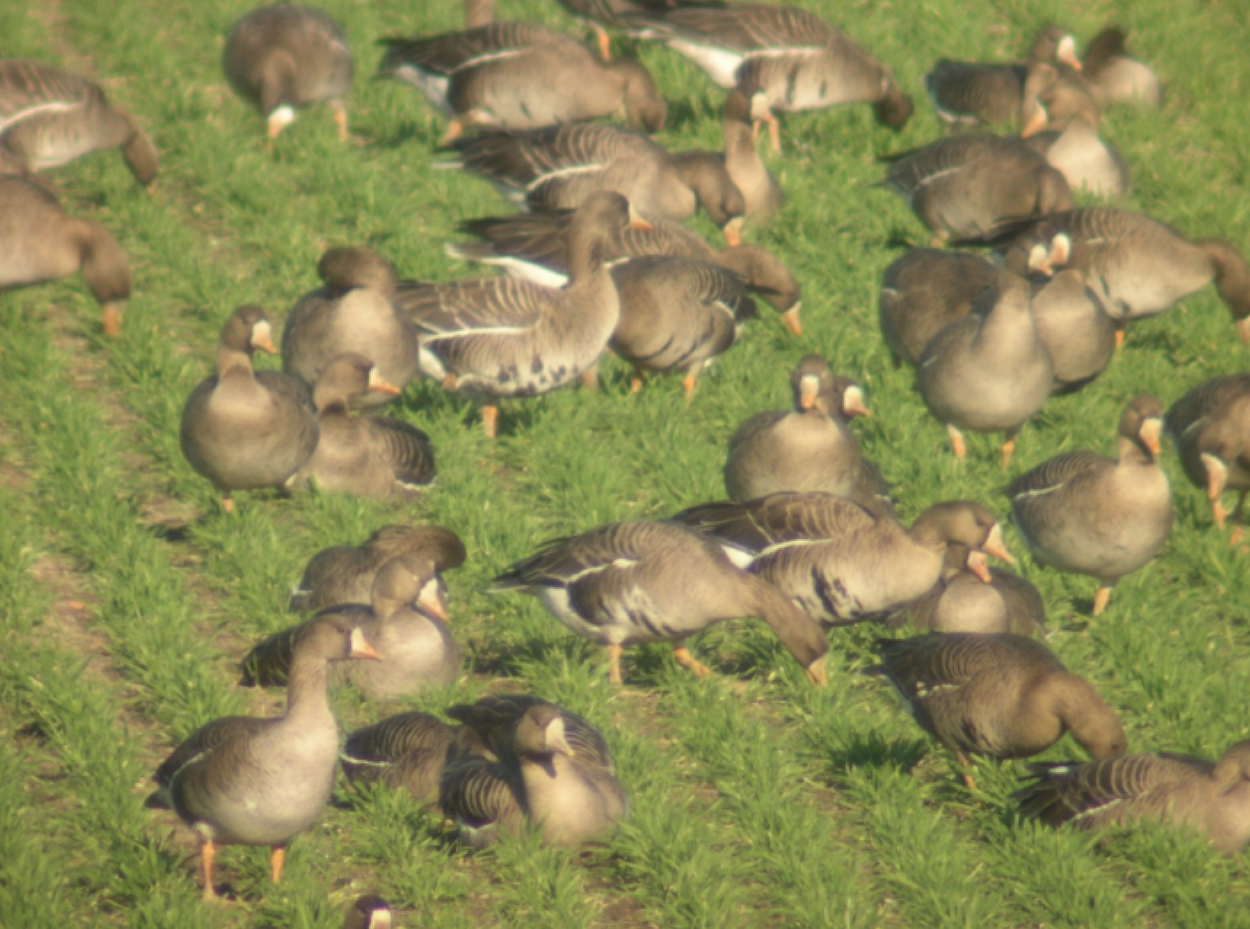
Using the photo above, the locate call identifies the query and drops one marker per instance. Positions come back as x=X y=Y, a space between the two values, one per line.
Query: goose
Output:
x=1105 y=517
x=925 y=291
x=283 y=56
x=1209 y=797
x=406 y=624
x=632 y=582
x=245 y=429
x=560 y=167
x=368 y=912
x=972 y=186
x=344 y=574
x=808 y=447
x=534 y=246
x=1073 y=324
x=49 y=117
x=988 y=373
x=504 y=338
x=1139 y=266
x=353 y=312
x=1054 y=96
x=599 y=14
x=1115 y=77
x=840 y=561
x=760 y=190
x=793 y=57
x=241 y=780
x=373 y=456
x=521 y=76
x=543 y=775
x=1210 y=425
x=407 y=751
x=676 y=315
x=999 y=695
x=1084 y=159
x=40 y=242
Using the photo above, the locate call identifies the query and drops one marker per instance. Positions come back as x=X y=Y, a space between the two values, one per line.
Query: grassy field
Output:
x=127 y=596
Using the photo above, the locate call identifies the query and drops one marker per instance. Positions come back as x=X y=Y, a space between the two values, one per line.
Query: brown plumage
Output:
x=1211 y=427
x=925 y=291
x=759 y=187
x=408 y=751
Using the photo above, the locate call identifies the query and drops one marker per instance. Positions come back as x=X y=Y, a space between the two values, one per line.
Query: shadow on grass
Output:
x=871 y=750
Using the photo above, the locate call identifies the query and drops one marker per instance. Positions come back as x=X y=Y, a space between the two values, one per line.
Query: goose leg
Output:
x=1101 y=598
x=774 y=133
x=208 y=852
x=1119 y=339
x=111 y=321
x=687 y=660
x=965 y=769
x=490 y=415
x=605 y=44
x=277 y=858
x=614 y=664
x=340 y=120
x=227 y=502
x=1217 y=477
x=687 y=384
x=636 y=382
x=1009 y=450
x=957 y=442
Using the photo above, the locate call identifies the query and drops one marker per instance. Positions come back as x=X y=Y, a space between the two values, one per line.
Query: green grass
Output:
x=756 y=800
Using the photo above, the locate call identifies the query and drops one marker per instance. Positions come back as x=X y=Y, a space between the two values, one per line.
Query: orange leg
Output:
x=340 y=119
x=1101 y=598
x=614 y=664
x=1119 y=339
x=687 y=385
x=605 y=44
x=774 y=133
x=277 y=858
x=208 y=853
x=490 y=416
x=1218 y=511
x=965 y=767
x=957 y=442
x=227 y=502
x=1009 y=450
x=636 y=382
x=112 y=320
x=687 y=660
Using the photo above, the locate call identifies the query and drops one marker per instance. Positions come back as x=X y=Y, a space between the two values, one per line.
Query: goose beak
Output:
x=817 y=672
x=1243 y=330
x=1039 y=260
x=978 y=566
x=1037 y=122
x=733 y=232
x=791 y=319
x=262 y=339
x=637 y=222
x=1060 y=249
x=380 y=386
x=853 y=403
x=433 y=600
x=994 y=545
x=361 y=648
x=556 y=740
x=809 y=388
x=1150 y=432
x=1066 y=53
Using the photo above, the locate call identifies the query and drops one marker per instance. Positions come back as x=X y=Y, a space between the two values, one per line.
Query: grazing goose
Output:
x=925 y=291
x=560 y=167
x=245 y=429
x=534 y=246
x=838 y=560
x=406 y=624
x=1140 y=266
x=408 y=751
x=506 y=338
x=343 y=574
x=1114 y=77
x=999 y=695
x=372 y=456
x=676 y=315
x=809 y=447
x=1206 y=796
x=245 y=781
x=368 y=912
x=1211 y=428
x=40 y=242
x=971 y=186
x=1073 y=324
x=990 y=372
x=1084 y=159
x=627 y=583
x=793 y=57
x=747 y=170
x=283 y=56
x=521 y=76
x=353 y=312
x=1105 y=517
x=552 y=770
x=49 y=117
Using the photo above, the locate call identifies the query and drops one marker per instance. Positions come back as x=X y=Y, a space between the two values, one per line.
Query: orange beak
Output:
x=433 y=601
x=1150 y=432
x=994 y=545
x=978 y=566
x=379 y=386
x=853 y=403
x=1037 y=122
x=361 y=648
x=809 y=388
x=791 y=318
x=733 y=232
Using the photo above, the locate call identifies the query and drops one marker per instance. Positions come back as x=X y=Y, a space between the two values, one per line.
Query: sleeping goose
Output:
x=627 y=583
x=40 y=242
x=500 y=337
x=840 y=561
x=809 y=447
x=796 y=59
x=1210 y=797
x=925 y=291
x=560 y=167
x=1084 y=159
x=971 y=186
x=373 y=456
x=344 y=574
x=1140 y=266
x=1073 y=324
x=988 y=372
x=1114 y=76
x=353 y=312
x=245 y=429
x=521 y=76
x=1105 y=517
x=241 y=780
x=1211 y=427
x=49 y=117
x=406 y=624
x=998 y=695
x=282 y=57
x=407 y=751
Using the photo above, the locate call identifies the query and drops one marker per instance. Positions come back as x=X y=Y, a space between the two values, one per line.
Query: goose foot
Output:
x=1101 y=599
x=614 y=664
x=227 y=503
x=1009 y=451
x=687 y=385
x=340 y=120
x=1119 y=339
x=687 y=660
x=277 y=858
x=111 y=320
x=635 y=383
x=957 y=442
x=208 y=853
x=490 y=416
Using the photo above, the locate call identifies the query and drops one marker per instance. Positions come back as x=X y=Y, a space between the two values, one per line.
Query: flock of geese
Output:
x=599 y=261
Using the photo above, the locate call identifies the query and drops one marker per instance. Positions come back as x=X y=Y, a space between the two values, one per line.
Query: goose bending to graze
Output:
x=521 y=76
x=1105 y=517
x=1210 y=797
x=998 y=695
x=407 y=751
x=559 y=167
x=840 y=561
x=795 y=59
x=241 y=780
x=373 y=456
x=406 y=624
x=245 y=429
x=988 y=372
x=353 y=312
x=1211 y=427
x=1084 y=159
x=972 y=186
x=1140 y=266
x=506 y=338
x=1114 y=76
x=40 y=242
x=925 y=291
x=344 y=574
x=49 y=117
x=282 y=57
x=627 y=583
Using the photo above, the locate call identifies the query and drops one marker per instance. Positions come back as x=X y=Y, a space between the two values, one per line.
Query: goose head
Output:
x=1141 y=425
x=346 y=376
x=644 y=106
x=413 y=579
x=349 y=268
